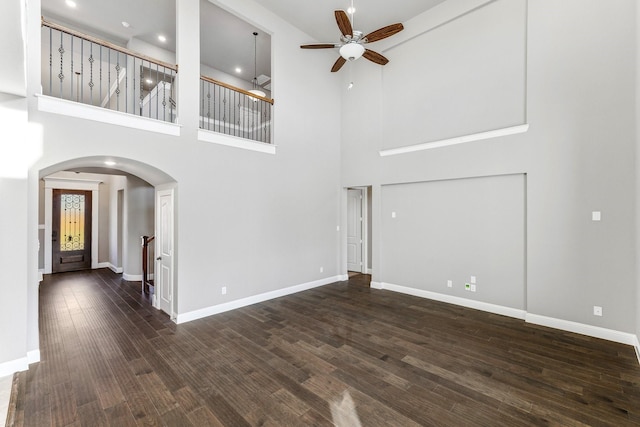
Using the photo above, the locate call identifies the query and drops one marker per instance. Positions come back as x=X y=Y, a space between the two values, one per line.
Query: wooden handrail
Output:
x=237 y=89
x=96 y=40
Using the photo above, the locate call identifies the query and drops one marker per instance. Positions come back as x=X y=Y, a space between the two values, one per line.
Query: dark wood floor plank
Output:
x=340 y=354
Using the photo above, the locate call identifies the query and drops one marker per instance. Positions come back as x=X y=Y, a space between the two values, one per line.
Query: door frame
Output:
x=51 y=183
x=365 y=229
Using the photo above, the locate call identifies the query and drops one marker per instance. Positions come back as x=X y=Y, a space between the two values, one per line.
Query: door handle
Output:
x=159 y=258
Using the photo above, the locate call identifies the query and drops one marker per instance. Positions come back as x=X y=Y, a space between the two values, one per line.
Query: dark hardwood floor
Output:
x=342 y=354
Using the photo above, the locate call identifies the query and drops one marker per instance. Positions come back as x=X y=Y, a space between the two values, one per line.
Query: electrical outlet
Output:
x=473 y=288
x=321 y=269
x=223 y=291
x=597 y=310
x=449 y=284
x=467 y=286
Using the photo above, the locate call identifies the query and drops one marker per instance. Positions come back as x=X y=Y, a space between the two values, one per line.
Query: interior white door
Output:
x=354 y=230
x=164 y=251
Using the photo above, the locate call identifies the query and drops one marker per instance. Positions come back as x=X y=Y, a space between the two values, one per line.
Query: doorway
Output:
x=358 y=230
x=71 y=230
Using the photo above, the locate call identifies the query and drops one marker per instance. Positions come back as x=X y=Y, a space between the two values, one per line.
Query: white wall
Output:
x=138 y=222
x=578 y=154
x=250 y=221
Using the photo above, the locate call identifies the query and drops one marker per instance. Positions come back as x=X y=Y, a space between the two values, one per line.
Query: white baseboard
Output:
x=13 y=366
x=343 y=277
x=40 y=275
x=132 y=277
x=565 y=325
x=369 y=271
x=103 y=265
x=33 y=356
x=581 y=328
x=113 y=268
x=478 y=305
x=243 y=302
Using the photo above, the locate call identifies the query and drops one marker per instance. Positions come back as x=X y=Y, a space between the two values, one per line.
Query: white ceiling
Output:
x=227 y=41
x=316 y=18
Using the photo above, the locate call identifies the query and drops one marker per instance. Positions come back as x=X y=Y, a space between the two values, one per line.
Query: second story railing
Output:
x=82 y=68
x=233 y=111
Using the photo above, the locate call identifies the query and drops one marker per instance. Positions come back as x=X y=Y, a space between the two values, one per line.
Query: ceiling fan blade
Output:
x=383 y=32
x=338 y=64
x=375 y=57
x=344 y=23
x=318 y=46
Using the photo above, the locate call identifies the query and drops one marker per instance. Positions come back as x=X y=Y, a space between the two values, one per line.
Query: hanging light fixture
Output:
x=255 y=89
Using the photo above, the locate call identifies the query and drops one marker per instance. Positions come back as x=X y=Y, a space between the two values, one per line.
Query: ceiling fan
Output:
x=351 y=46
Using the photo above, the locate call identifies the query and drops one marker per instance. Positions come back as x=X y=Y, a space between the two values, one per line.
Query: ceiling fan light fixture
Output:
x=351 y=51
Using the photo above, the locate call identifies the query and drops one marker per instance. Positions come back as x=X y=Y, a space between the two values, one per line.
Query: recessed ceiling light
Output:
x=149 y=81
x=162 y=38
x=125 y=24
x=110 y=163
x=70 y=3
x=351 y=10
x=238 y=70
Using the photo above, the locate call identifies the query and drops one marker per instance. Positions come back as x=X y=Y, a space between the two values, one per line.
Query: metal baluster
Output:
x=71 y=80
x=141 y=87
x=100 y=100
x=91 y=73
x=164 y=94
x=157 y=88
x=109 y=81
x=50 y=61
x=61 y=50
x=126 y=86
x=82 y=70
x=117 y=80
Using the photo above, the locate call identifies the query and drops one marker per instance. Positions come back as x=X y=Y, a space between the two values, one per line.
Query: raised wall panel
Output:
x=455 y=229
x=463 y=77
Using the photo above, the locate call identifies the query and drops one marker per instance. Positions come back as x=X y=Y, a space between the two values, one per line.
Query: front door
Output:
x=164 y=251
x=354 y=230
x=71 y=230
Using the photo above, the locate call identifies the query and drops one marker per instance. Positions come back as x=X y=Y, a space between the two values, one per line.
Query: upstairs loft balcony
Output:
x=84 y=69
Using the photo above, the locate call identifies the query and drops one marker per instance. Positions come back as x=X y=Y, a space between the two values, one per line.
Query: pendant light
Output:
x=255 y=89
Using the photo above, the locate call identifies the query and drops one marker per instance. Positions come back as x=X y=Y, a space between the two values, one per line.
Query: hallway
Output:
x=335 y=355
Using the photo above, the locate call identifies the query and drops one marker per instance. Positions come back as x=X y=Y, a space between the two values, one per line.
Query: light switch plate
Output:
x=596 y=216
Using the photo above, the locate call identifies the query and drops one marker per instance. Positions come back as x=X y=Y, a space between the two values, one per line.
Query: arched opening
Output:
x=130 y=199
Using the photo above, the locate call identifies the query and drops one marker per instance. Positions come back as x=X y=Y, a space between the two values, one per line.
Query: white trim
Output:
x=13 y=366
x=40 y=275
x=375 y=285
x=103 y=265
x=57 y=183
x=113 y=268
x=343 y=277
x=53 y=105
x=581 y=328
x=243 y=302
x=451 y=299
x=132 y=277
x=95 y=230
x=236 y=142
x=33 y=356
x=564 y=325
x=369 y=271
x=456 y=140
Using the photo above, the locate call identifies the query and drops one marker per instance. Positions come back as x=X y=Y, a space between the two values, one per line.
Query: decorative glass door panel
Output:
x=71 y=237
